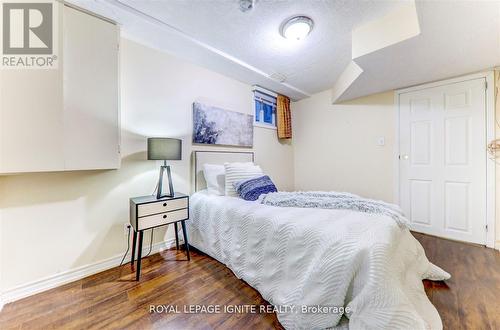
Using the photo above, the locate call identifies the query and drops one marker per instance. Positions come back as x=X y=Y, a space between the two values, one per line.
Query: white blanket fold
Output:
x=311 y=260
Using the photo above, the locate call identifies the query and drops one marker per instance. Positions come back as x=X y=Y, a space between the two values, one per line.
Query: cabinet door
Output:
x=31 y=126
x=91 y=104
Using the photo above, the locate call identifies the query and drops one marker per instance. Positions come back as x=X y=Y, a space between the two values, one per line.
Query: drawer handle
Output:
x=164 y=216
x=164 y=204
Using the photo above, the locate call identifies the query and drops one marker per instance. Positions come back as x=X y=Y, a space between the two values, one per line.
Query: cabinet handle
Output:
x=164 y=204
x=164 y=216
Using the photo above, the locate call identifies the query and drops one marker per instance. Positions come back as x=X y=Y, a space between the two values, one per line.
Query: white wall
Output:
x=335 y=146
x=54 y=222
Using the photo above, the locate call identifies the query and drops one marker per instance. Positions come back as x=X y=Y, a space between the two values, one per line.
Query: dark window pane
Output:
x=268 y=113
x=258 y=106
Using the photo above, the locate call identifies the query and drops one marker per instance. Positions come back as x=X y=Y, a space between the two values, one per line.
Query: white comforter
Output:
x=315 y=257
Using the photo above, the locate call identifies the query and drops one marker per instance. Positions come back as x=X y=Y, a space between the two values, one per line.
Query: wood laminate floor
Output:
x=112 y=299
x=470 y=299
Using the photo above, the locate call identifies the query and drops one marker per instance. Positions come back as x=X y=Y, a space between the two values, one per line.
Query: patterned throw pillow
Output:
x=251 y=189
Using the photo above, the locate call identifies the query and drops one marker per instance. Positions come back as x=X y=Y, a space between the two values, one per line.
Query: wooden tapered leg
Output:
x=176 y=236
x=186 y=243
x=139 y=256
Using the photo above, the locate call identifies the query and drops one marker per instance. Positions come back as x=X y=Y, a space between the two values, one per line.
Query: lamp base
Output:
x=170 y=193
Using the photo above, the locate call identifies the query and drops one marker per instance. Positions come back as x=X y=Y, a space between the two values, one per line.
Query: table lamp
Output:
x=164 y=149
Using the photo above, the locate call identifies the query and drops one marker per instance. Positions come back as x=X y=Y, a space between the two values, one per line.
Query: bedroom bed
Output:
x=321 y=268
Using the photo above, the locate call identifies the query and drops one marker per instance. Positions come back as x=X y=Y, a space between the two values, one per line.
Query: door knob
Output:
x=405 y=157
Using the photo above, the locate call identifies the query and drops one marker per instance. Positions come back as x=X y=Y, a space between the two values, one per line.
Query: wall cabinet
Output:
x=66 y=118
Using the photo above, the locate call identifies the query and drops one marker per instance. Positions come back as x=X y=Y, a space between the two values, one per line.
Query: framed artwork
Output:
x=212 y=125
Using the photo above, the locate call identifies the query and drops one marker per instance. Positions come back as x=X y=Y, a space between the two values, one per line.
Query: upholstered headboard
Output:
x=215 y=157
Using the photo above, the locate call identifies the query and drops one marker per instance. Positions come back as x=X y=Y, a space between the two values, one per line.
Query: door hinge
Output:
x=486 y=227
x=485 y=85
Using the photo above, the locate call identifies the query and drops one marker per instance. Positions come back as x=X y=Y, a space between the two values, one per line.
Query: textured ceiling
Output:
x=311 y=65
x=457 y=37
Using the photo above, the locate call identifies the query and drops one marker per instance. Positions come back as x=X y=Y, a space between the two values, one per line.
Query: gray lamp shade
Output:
x=164 y=149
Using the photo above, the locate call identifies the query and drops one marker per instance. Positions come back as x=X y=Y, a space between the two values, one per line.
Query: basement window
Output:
x=264 y=107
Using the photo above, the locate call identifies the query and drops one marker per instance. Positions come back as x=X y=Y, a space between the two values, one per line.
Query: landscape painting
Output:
x=212 y=125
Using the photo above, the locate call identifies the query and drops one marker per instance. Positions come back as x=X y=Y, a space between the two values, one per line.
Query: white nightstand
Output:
x=148 y=212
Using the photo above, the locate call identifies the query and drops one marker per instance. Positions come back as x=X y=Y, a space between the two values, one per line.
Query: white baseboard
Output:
x=75 y=274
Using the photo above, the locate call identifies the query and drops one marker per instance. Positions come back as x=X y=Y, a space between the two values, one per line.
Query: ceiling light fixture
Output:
x=297 y=27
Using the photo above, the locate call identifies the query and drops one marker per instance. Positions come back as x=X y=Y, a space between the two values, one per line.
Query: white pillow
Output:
x=215 y=178
x=239 y=171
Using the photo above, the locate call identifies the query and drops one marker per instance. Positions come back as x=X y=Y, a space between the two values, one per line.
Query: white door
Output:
x=443 y=160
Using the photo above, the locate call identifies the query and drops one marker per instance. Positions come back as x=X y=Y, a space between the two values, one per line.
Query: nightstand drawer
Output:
x=161 y=219
x=162 y=206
